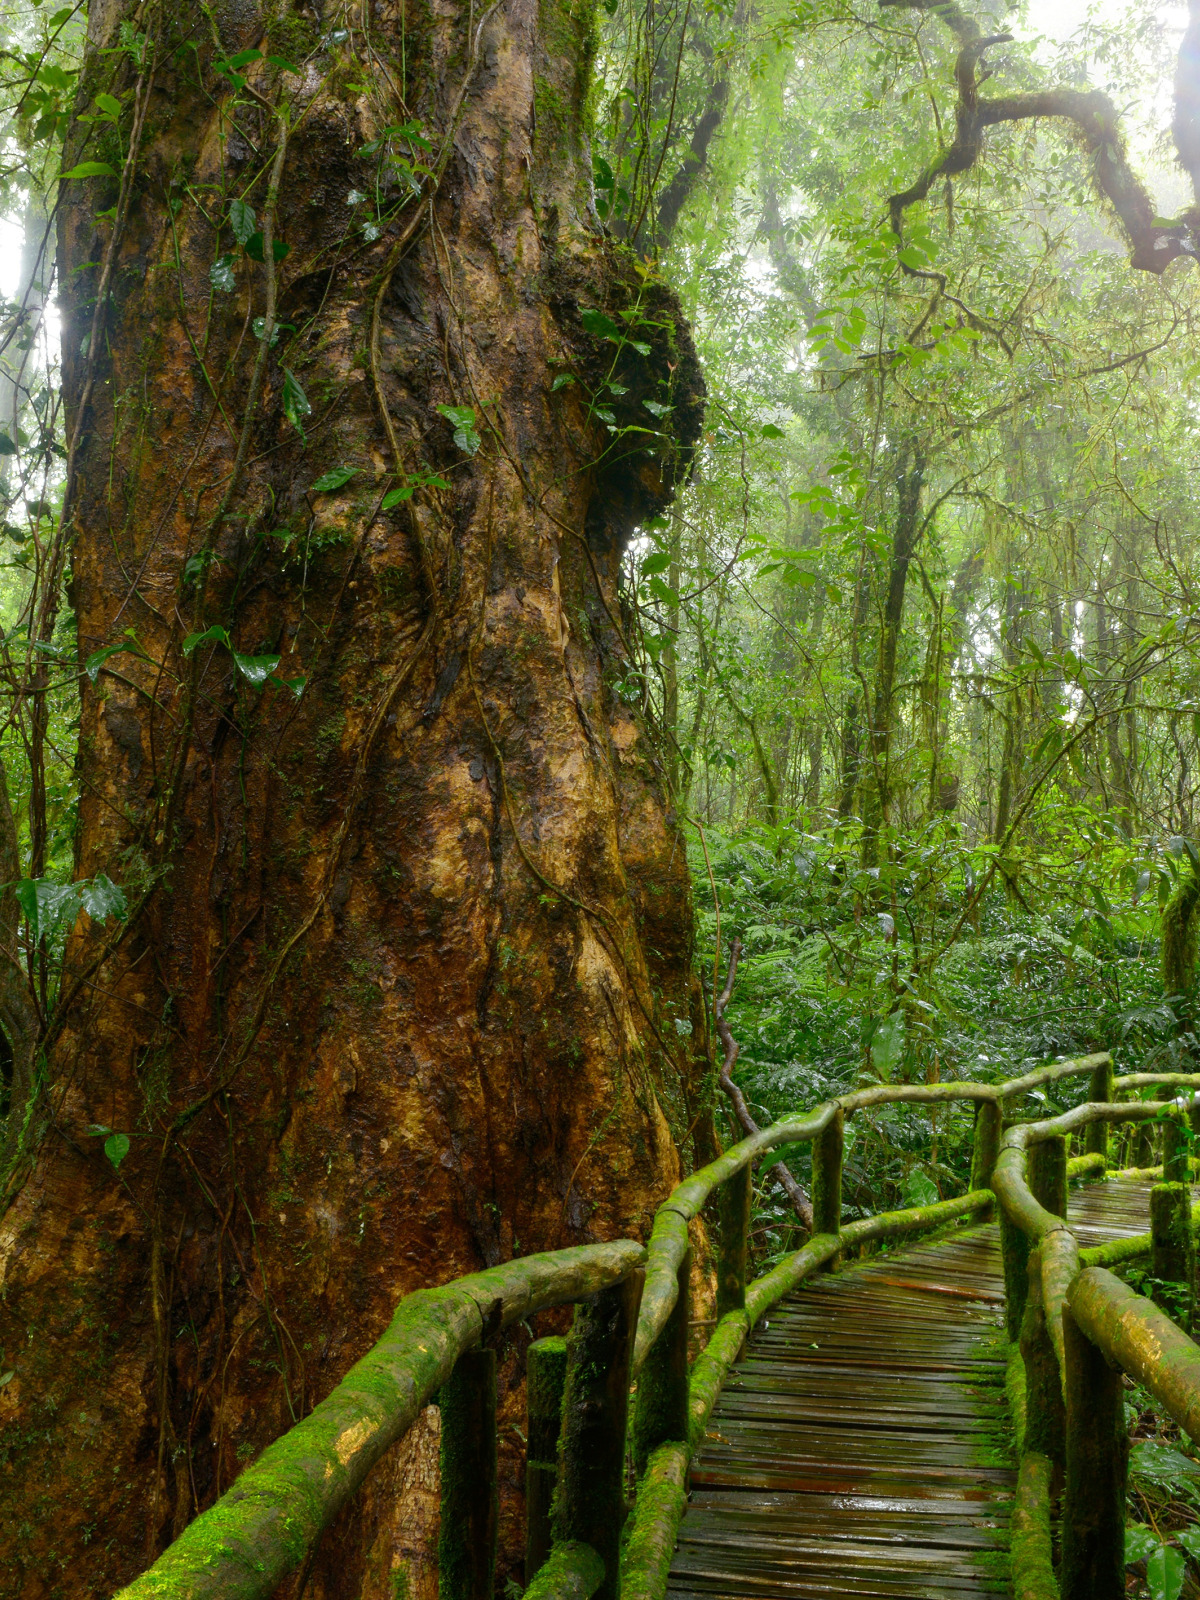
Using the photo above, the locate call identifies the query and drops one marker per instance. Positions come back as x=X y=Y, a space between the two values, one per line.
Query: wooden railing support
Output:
x=987 y=1143
x=589 y=1500
x=1172 y=1242
x=545 y=1381
x=827 y=1149
x=1093 y=1520
x=1100 y=1091
x=661 y=1414
x=470 y=1508
x=1045 y=1418
x=1175 y=1151
x=733 y=1225
x=1046 y=1174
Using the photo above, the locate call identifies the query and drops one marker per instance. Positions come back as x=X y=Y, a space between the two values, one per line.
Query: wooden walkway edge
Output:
x=860 y=1446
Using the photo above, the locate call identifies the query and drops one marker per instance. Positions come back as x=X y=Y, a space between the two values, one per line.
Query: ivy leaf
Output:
x=1164 y=1573
x=214 y=635
x=102 y=899
x=255 y=669
x=220 y=275
x=116 y=1148
x=295 y=402
x=328 y=481
x=462 y=420
x=242 y=220
x=88 y=169
x=600 y=326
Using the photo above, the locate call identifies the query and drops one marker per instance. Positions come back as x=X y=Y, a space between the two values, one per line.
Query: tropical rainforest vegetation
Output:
x=496 y=507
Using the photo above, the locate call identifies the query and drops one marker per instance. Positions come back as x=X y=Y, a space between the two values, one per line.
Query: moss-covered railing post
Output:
x=662 y=1392
x=545 y=1381
x=986 y=1148
x=827 y=1149
x=1093 y=1516
x=1045 y=1419
x=733 y=1207
x=1173 y=1247
x=1100 y=1091
x=1047 y=1178
x=589 y=1500
x=470 y=1510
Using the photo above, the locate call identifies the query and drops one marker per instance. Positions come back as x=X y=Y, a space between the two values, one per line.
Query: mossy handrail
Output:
x=269 y=1521
x=1079 y=1324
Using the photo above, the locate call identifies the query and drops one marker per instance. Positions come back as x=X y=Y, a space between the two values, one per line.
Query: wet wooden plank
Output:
x=858 y=1447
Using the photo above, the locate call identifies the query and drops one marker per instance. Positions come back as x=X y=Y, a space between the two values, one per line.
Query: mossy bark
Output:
x=545 y=1384
x=1176 y=1148
x=1133 y=1332
x=661 y=1411
x=1047 y=1173
x=1032 y=1551
x=470 y=1507
x=589 y=1501
x=1045 y=1420
x=1173 y=1243
x=827 y=1150
x=1179 y=934
x=573 y=1572
x=986 y=1148
x=1093 y=1515
x=1100 y=1091
x=397 y=998
x=733 y=1238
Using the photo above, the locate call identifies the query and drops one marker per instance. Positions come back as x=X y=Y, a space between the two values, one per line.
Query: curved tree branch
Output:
x=779 y=1171
x=1096 y=123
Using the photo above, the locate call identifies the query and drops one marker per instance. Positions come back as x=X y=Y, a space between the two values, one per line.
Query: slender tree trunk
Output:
x=396 y=996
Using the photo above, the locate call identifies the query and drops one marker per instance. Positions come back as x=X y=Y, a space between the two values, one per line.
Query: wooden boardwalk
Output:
x=859 y=1447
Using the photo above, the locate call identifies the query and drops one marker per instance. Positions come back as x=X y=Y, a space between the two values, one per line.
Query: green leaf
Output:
x=47 y=905
x=116 y=1148
x=220 y=275
x=600 y=326
x=295 y=401
x=1159 y=1463
x=241 y=220
x=1164 y=1573
x=656 y=408
x=462 y=419
x=88 y=169
x=561 y=382
x=328 y=481
x=98 y=657
x=913 y=257
x=920 y=1189
x=6 y=1378
x=1140 y=1542
x=655 y=563
x=7 y=447
x=110 y=105
x=283 y=64
x=770 y=431
x=394 y=496
x=887 y=1045
x=255 y=247
x=214 y=635
x=255 y=669
x=102 y=899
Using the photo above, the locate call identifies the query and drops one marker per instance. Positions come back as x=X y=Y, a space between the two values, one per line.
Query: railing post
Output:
x=545 y=1380
x=589 y=1501
x=1100 y=1089
x=1173 y=1248
x=1175 y=1152
x=733 y=1205
x=1045 y=1419
x=987 y=1143
x=1093 y=1522
x=1046 y=1174
x=827 y=1150
x=662 y=1392
x=470 y=1511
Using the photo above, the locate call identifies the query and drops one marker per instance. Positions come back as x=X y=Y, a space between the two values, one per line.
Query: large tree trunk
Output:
x=396 y=998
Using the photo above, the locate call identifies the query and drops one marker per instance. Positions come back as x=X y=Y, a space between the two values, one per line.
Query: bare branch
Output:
x=1096 y=124
x=800 y=1200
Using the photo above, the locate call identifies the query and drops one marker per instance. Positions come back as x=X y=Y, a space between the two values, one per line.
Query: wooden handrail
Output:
x=271 y=1517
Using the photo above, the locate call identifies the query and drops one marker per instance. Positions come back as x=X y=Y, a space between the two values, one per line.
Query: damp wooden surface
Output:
x=860 y=1446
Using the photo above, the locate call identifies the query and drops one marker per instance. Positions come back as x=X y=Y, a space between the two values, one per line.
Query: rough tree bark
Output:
x=397 y=992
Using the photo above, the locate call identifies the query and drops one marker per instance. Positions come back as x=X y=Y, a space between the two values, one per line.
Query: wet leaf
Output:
x=116 y=1148
x=242 y=220
x=329 y=481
